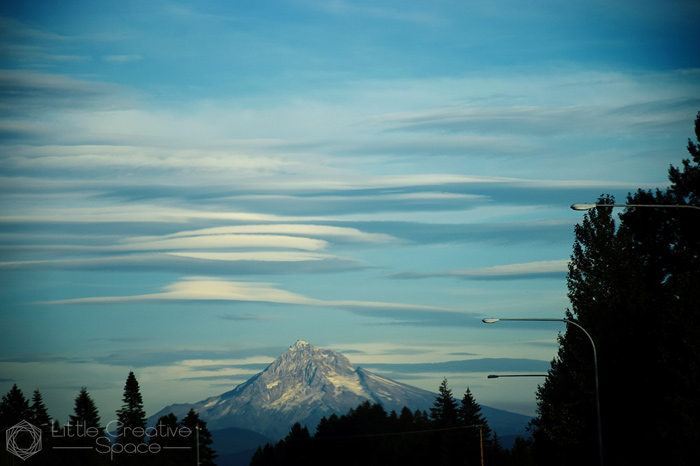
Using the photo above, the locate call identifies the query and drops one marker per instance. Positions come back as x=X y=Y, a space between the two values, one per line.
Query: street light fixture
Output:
x=660 y=206
x=498 y=376
x=492 y=320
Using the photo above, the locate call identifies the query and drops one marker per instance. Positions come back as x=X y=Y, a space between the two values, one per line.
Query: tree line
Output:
x=454 y=433
x=85 y=440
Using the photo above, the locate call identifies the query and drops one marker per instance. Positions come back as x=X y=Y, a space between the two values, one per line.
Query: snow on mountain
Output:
x=302 y=385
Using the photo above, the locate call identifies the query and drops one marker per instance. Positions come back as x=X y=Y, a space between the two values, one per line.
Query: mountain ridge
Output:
x=303 y=385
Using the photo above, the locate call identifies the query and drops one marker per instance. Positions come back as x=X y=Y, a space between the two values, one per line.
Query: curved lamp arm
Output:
x=492 y=320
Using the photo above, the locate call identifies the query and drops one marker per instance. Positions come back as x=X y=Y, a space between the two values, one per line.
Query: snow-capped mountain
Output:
x=302 y=385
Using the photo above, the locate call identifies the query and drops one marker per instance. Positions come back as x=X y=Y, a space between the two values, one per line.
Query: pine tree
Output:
x=520 y=453
x=469 y=413
x=444 y=410
x=444 y=419
x=606 y=288
x=169 y=441
x=200 y=439
x=131 y=416
x=80 y=434
x=131 y=424
x=14 y=408
x=40 y=415
x=295 y=448
x=478 y=434
x=496 y=455
x=85 y=412
x=665 y=240
x=41 y=419
x=636 y=290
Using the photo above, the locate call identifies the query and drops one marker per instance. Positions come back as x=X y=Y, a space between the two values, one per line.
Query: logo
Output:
x=113 y=440
x=23 y=440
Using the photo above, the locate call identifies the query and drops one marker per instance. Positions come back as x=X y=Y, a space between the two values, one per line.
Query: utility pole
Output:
x=481 y=444
x=197 y=429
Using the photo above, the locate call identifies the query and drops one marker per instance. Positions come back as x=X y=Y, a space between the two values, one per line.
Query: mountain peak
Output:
x=307 y=363
x=302 y=385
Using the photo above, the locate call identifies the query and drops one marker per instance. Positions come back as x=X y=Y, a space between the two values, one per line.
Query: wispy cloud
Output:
x=305 y=230
x=466 y=365
x=343 y=7
x=27 y=91
x=244 y=360
x=209 y=289
x=224 y=241
x=657 y=116
x=351 y=140
x=207 y=263
x=122 y=58
x=530 y=270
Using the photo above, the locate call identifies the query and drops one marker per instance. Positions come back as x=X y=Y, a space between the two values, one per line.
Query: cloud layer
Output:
x=189 y=189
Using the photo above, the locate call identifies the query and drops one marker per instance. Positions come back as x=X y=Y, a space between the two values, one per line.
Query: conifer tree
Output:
x=444 y=410
x=200 y=439
x=406 y=420
x=604 y=290
x=666 y=242
x=169 y=442
x=469 y=413
x=636 y=290
x=520 y=453
x=85 y=411
x=80 y=446
x=14 y=408
x=40 y=415
x=477 y=434
x=295 y=447
x=445 y=418
x=41 y=419
x=131 y=416
x=496 y=455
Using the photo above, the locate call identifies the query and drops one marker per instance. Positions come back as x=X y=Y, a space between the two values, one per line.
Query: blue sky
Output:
x=188 y=188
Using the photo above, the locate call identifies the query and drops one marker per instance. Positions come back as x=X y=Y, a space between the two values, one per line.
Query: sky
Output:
x=188 y=188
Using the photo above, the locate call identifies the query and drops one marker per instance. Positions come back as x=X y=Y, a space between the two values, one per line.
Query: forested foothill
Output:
x=87 y=440
x=452 y=433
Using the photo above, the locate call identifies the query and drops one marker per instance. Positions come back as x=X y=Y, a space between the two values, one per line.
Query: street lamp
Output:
x=498 y=376
x=660 y=206
x=595 y=367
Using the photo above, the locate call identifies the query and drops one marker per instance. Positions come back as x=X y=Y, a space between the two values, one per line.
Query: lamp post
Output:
x=595 y=368
x=481 y=444
x=498 y=376
x=658 y=206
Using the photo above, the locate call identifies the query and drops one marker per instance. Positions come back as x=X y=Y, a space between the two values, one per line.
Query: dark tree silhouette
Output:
x=131 y=425
x=131 y=416
x=14 y=408
x=80 y=434
x=477 y=433
x=40 y=415
x=200 y=440
x=635 y=287
x=444 y=410
x=85 y=412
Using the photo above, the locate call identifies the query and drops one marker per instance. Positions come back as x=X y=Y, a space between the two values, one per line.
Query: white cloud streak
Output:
x=224 y=241
x=509 y=271
x=349 y=234
x=210 y=289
